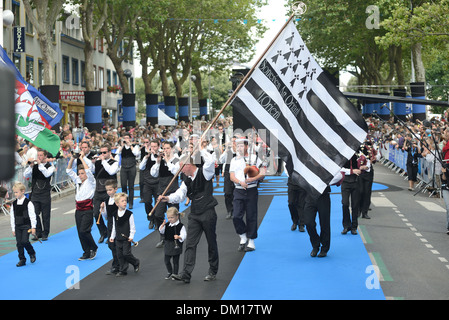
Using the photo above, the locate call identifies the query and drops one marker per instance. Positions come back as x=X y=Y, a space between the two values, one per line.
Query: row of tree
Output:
x=175 y=39
x=385 y=42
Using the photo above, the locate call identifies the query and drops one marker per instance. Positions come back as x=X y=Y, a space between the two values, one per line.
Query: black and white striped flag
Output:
x=317 y=129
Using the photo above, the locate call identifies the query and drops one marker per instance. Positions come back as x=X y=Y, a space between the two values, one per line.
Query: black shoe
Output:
x=314 y=252
x=120 y=274
x=21 y=263
x=168 y=276
x=93 y=254
x=32 y=258
x=322 y=254
x=85 y=256
x=137 y=267
x=345 y=231
x=229 y=216
x=241 y=247
x=366 y=216
x=181 y=277
x=113 y=271
x=101 y=238
x=44 y=238
x=293 y=227
x=160 y=244
x=354 y=231
x=301 y=228
x=151 y=225
x=210 y=277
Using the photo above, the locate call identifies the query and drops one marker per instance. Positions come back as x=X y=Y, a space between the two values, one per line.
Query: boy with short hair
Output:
x=108 y=211
x=122 y=234
x=23 y=218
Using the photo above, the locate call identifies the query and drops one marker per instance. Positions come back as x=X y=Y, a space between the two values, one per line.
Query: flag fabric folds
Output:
x=35 y=114
x=314 y=127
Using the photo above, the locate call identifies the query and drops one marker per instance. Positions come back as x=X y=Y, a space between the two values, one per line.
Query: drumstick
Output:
x=29 y=231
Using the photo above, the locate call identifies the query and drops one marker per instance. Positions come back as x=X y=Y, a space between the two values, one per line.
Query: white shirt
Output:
x=173 y=168
x=31 y=214
x=110 y=168
x=47 y=172
x=238 y=165
x=182 y=233
x=208 y=173
x=132 y=226
x=84 y=190
x=143 y=163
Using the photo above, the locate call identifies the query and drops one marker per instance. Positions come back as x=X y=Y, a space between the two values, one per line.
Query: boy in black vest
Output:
x=109 y=211
x=105 y=168
x=22 y=219
x=198 y=186
x=123 y=231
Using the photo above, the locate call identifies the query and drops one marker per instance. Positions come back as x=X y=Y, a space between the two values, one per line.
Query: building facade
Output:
x=69 y=60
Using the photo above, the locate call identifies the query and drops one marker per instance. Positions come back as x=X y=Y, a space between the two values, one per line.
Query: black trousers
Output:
x=365 y=186
x=124 y=255
x=42 y=207
x=84 y=221
x=99 y=197
x=149 y=193
x=175 y=268
x=23 y=242
x=296 y=202
x=228 y=189
x=205 y=222
x=322 y=205
x=127 y=180
x=350 y=198
x=245 y=203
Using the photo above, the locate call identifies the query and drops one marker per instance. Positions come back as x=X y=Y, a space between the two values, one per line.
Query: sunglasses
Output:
x=104 y=152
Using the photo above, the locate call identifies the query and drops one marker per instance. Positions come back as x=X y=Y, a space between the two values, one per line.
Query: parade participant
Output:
x=40 y=171
x=296 y=201
x=246 y=194
x=23 y=218
x=322 y=206
x=149 y=186
x=165 y=168
x=123 y=231
x=350 y=195
x=198 y=186
x=105 y=168
x=228 y=186
x=85 y=190
x=413 y=155
x=175 y=235
x=128 y=169
x=109 y=210
x=366 y=177
x=88 y=155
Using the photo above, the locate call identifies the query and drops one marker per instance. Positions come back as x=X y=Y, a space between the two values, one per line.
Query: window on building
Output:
x=28 y=25
x=95 y=77
x=40 y=70
x=16 y=10
x=16 y=58
x=108 y=77
x=65 y=69
x=29 y=75
x=100 y=78
x=75 y=72
x=114 y=77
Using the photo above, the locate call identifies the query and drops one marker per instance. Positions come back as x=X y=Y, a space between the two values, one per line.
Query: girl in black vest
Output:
x=123 y=231
x=23 y=218
x=175 y=234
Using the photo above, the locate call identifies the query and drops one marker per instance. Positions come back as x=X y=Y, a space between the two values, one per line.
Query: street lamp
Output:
x=6 y=18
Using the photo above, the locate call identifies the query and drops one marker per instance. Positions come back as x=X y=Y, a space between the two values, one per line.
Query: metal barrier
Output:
x=59 y=181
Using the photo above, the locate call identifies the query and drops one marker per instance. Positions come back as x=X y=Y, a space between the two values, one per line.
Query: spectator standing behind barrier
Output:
x=445 y=193
x=40 y=172
x=413 y=155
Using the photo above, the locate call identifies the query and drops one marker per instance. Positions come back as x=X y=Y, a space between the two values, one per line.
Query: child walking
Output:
x=23 y=218
x=123 y=230
x=108 y=211
x=175 y=234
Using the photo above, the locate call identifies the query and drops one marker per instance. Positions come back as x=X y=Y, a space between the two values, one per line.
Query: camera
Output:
x=76 y=153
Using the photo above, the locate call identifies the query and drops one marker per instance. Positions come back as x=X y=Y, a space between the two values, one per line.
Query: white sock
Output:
x=243 y=238
x=251 y=244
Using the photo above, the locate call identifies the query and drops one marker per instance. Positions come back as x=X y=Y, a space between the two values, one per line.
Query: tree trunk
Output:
x=418 y=65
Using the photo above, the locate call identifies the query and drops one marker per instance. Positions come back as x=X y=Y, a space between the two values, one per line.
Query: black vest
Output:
x=21 y=217
x=40 y=186
x=111 y=212
x=128 y=157
x=351 y=163
x=171 y=231
x=200 y=192
x=122 y=225
x=101 y=175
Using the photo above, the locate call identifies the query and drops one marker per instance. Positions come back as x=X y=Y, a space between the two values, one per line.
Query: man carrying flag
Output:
x=35 y=114
x=315 y=127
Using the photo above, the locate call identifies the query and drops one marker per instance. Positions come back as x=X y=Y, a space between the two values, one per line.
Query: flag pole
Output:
x=226 y=104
